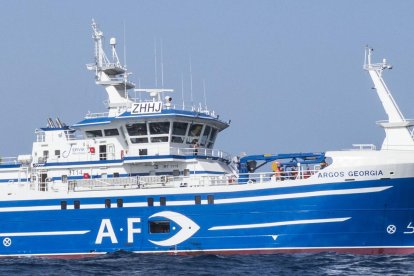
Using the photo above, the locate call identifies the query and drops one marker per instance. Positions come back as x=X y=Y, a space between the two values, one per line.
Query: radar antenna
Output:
x=110 y=74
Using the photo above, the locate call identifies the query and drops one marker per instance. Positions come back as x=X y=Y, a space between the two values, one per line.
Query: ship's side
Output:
x=339 y=208
x=145 y=177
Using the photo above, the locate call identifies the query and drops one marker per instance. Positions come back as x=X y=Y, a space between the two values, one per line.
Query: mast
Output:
x=397 y=129
x=111 y=74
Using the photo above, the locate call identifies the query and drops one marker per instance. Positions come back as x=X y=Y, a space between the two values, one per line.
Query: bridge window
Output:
x=159 y=128
x=194 y=133
x=139 y=140
x=159 y=227
x=179 y=128
x=93 y=133
x=111 y=132
x=195 y=130
x=177 y=139
x=206 y=133
x=137 y=129
x=159 y=139
x=212 y=138
x=179 y=131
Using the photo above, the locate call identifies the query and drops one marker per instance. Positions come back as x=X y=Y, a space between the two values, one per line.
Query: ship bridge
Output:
x=157 y=128
x=136 y=128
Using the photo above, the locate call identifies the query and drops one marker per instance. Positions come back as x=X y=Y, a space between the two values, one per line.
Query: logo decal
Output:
x=188 y=228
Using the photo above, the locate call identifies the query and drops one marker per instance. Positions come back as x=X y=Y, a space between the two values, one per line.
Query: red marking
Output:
x=356 y=251
x=365 y=251
x=92 y=150
x=86 y=176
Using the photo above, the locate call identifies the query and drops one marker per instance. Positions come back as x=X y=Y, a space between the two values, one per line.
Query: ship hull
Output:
x=370 y=217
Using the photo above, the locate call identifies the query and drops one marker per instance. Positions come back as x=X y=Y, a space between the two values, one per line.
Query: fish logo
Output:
x=188 y=228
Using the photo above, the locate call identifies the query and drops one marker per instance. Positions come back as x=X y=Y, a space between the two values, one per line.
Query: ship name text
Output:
x=361 y=173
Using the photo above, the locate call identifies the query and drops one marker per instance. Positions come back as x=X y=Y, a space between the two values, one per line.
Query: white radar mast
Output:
x=398 y=133
x=111 y=74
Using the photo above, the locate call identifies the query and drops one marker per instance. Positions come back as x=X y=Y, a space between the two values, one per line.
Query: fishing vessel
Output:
x=145 y=177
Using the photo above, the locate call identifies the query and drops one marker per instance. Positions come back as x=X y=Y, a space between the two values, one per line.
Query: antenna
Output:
x=182 y=89
x=205 y=98
x=125 y=64
x=139 y=86
x=191 y=84
x=50 y=123
x=110 y=73
x=155 y=61
x=162 y=66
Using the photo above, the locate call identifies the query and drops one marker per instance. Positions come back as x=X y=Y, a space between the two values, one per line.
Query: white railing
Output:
x=70 y=135
x=364 y=147
x=103 y=184
x=96 y=115
x=73 y=136
x=40 y=135
x=200 y=151
x=8 y=160
x=263 y=177
x=168 y=181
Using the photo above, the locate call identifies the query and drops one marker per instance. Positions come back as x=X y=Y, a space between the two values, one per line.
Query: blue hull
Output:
x=366 y=216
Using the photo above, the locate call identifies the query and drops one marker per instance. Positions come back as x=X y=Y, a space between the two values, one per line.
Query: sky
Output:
x=288 y=74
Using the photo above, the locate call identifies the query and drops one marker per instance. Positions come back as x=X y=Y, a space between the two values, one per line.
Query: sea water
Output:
x=123 y=263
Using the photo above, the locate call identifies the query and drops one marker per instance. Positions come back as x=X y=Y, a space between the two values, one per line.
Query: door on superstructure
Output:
x=102 y=152
x=43 y=181
x=110 y=155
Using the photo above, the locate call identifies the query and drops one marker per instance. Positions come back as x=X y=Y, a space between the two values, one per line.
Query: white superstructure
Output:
x=398 y=135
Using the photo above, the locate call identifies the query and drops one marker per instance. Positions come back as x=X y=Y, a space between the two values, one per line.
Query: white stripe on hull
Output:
x=216 y=201
x=47 y=233
x=280 y=223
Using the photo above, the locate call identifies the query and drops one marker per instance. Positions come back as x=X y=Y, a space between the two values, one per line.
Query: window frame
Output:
x=96 y=131
x=161 y=226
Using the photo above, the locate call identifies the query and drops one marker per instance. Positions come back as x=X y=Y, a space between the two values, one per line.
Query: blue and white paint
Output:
x=145 y=177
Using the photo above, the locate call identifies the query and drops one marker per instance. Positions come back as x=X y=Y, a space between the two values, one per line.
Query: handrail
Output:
x=8 y=160
x=364 y=147
x=262 y=177
x=201 y=152
x=96 y=115
x=168 y=181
